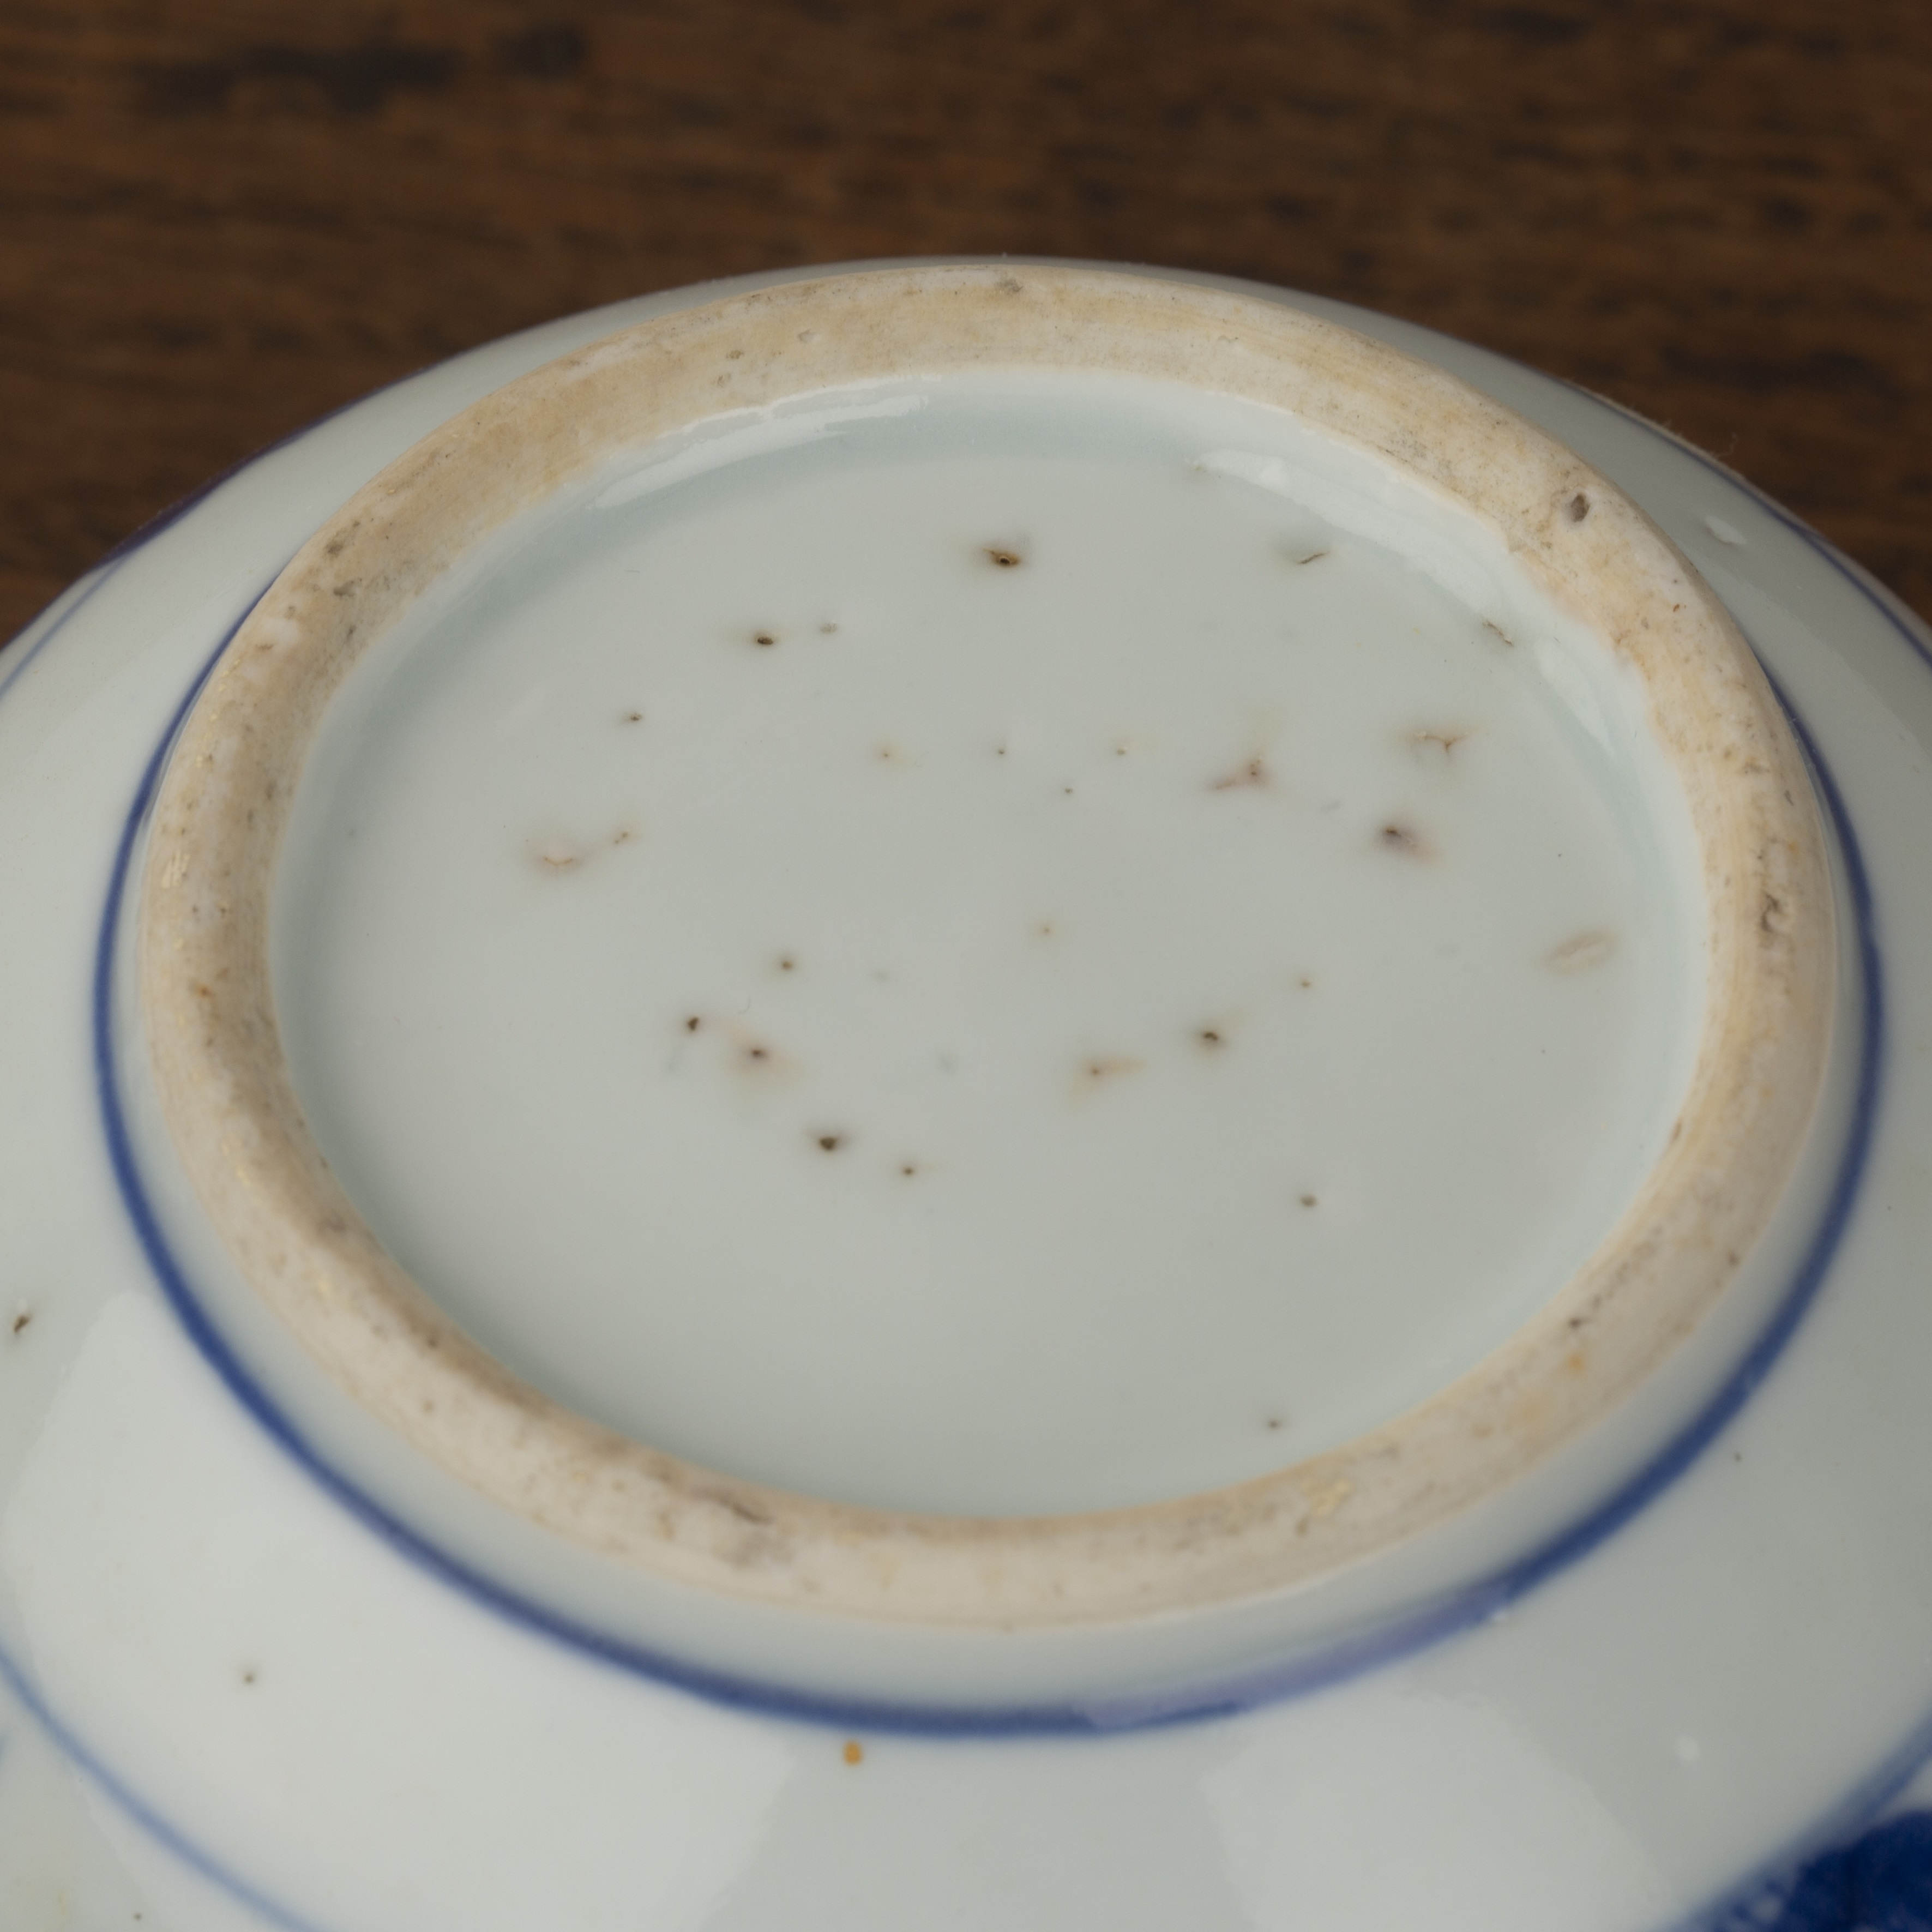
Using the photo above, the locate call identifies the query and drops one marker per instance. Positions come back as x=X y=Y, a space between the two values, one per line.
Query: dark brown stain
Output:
x=1397 y=837
x=787 y=963
x=1578 y=507
x=1500 y=632
x=23 y=1321
x=693 y=1023
x=758 y=1053
x=1003 y=558
x=1771 y=917
x=1274 y=1422
x=764 y=639
x=633 y=717
x=1313 y=556
x=1310 y=1200
x=1112 y=1067
x=249 y=1675
x=1209 y=1036
x=832 y=1143
x=908 y=1168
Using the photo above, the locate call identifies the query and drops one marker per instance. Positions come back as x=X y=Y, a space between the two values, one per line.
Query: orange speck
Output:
x=855 y=1752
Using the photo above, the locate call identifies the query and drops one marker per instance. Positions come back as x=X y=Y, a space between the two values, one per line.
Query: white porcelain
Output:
x=1091 y=1387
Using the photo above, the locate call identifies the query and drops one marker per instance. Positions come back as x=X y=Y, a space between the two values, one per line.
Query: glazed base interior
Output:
x=214 y=1039
x=992 y=947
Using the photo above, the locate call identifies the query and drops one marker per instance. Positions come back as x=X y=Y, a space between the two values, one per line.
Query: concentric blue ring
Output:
x=1347 y=1657
x=1344 y=1661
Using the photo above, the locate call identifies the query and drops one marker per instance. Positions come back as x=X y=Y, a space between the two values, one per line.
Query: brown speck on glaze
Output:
x=825 y=630
x=1578 y=507
x=1397 y=837
x=692 y=1024
x=1772 y=918
x=734 y=355
x=250 y=1674
x=758 y=1055
x=1313 y=556
x=764 y=640
x=1488 y=625
x=1275 y=1422
x=854 y=1752
x=633 y=717
x=831 y=1143
x=1044 y=928
x=555 y=858
x=1254 y=772
x=1444 y=739
x=1210 y=1036
x=1109 y=1067
x=645 y=1514
x=1580 y=953
x=890 y=753
x=908 y=1169
x=1305 y=981
x=1004 y=557
x=23 y=1321
x=1310 y=1200
x=787 y=963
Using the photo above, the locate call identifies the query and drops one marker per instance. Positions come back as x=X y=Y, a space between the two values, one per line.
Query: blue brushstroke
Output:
x=1351 y=1657
x=1879 y=1883
x=1881 y=1873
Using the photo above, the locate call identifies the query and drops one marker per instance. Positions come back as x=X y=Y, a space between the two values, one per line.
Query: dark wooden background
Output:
x=219 y=218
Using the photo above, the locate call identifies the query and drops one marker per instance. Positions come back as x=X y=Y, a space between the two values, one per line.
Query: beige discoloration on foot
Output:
x=224 y=1088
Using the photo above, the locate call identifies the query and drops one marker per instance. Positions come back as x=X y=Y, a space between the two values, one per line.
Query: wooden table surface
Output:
x=219 y=218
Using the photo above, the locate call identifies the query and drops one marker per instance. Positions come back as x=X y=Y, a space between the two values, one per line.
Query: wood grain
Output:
x=219 y=218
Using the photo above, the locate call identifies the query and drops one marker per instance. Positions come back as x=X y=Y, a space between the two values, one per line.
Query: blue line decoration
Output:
x=1881 y=1882
x=1348 y=1657
x=160 y=1829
